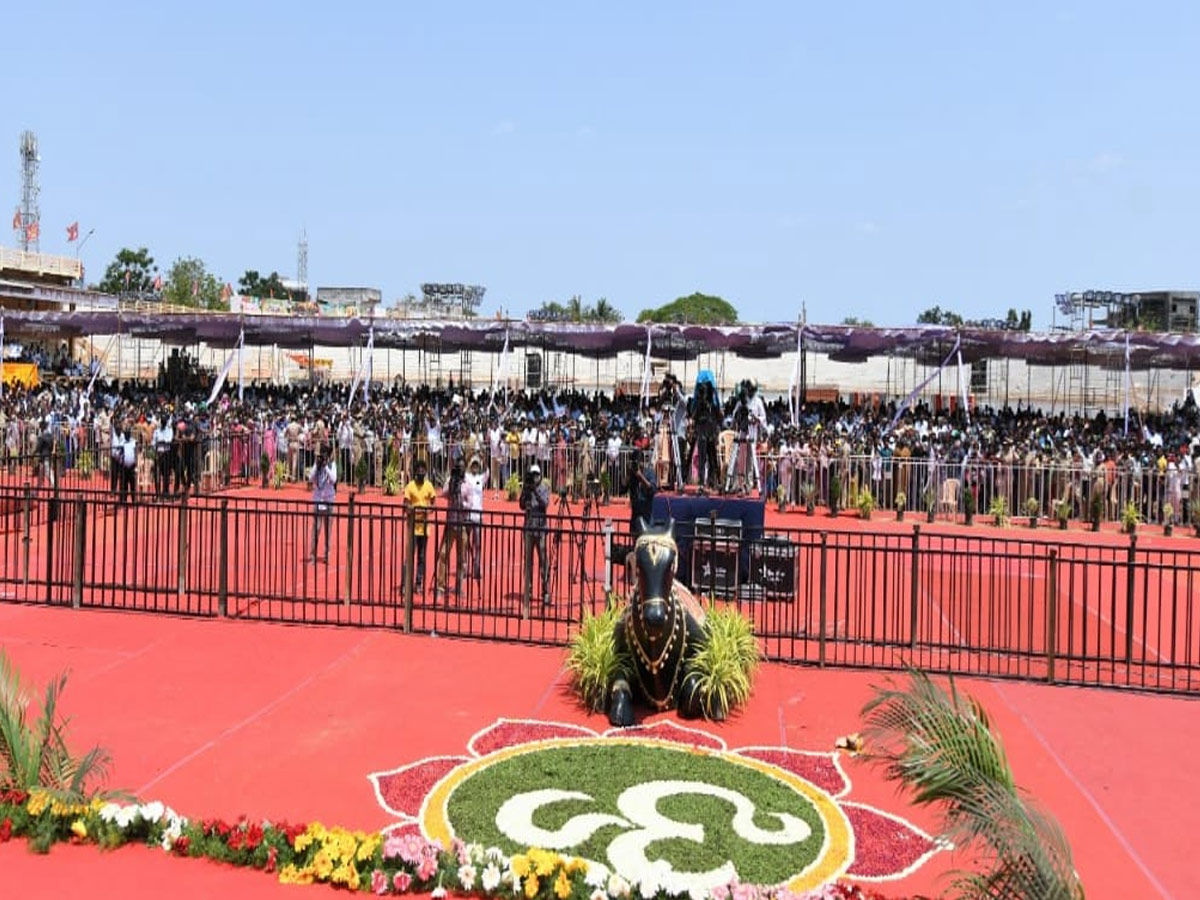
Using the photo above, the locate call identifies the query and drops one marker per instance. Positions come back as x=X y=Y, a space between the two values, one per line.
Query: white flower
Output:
x=125 y=816
x=495 y=853
x=516 y=883
x=490 y=880
x=617 y=886
x=595 y=877
x=438 y=893
x=109 y=812
x=153 y=811
x=475 y=853
x=598 y=894
x=466 y=876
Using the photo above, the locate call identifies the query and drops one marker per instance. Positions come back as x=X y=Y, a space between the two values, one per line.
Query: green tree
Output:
x=605 y=313
x=189 y=283
x=935 y=315
x=857 y=322
x=695 y=309
x=131 y=272
x=576 y=309
x=254 y=285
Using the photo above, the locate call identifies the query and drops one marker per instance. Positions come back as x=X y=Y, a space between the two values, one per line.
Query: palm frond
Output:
x=941 y=746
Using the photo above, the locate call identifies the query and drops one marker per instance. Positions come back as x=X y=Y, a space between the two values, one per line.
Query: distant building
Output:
x=1177 y=311
x=349 y=301
x=44 y=281
x=441 y=301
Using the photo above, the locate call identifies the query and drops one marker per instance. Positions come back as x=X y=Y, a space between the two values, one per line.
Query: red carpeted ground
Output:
x=225 y=718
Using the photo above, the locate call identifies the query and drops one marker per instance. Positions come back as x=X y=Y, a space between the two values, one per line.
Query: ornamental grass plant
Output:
x=942 y=748
x=33 y=742
x=593 y=660
x=726 y=663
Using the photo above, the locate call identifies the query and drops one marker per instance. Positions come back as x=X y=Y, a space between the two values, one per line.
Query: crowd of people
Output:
x=144 y=437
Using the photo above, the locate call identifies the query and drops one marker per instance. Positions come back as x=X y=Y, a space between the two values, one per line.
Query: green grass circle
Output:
x=603 y=770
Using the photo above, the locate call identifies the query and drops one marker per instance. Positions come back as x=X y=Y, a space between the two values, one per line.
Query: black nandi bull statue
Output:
x=661 y=628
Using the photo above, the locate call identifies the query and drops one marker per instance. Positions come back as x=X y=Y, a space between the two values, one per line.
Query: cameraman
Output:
x=324 y=485
x=642 y=485
x=535 y=500
x=749 y=417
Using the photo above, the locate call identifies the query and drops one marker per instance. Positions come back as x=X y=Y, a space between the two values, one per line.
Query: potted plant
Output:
x=1031 y=509
x=1168 y=519
x=999 y=510
x=866 y=504
x=512 y=487
x=1063 y=513
x=781 y=498
x=810 y=497
x=279 y=474
x=1096 y=510
x=930 y=503
x=835 y=496
x=901 y=502
x=264 y=469
x=391 y=478
x=1130 y=518
x=968 y=505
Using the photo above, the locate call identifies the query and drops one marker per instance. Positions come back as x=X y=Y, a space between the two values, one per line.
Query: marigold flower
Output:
x=322 y=865
x=520 y=865
x=79 y=828
x=531 y=886
x=562 y=885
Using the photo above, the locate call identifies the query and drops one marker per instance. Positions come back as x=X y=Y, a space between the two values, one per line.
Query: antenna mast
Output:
x=302 y=263
x=28 y=217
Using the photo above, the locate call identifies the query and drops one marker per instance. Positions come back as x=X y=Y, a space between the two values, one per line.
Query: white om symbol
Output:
x=644 y=825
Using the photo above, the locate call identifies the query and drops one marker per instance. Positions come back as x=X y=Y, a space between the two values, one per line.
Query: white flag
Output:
x=646 y=371
x=241 y=371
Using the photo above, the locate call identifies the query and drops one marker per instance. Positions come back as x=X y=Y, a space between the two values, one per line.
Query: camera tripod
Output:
x=589 y=514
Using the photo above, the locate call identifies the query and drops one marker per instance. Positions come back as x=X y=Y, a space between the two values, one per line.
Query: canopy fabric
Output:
x=23 y=374
x=841 y=342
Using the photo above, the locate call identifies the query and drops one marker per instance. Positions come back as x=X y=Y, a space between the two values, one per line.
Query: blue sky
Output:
x=870 y=159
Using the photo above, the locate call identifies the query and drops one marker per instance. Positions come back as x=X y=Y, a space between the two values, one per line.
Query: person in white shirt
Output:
x=128 y=465
x=164 y=456
x=476 y=480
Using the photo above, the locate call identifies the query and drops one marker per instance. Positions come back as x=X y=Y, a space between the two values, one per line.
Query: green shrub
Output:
x=593 y=660
x=726 y=663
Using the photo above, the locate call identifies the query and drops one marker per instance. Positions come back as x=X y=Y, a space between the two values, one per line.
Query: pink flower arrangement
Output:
x=402 y=882
x=379 y=882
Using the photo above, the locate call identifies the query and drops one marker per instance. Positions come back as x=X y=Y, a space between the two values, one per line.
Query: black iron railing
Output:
x=1101 y=610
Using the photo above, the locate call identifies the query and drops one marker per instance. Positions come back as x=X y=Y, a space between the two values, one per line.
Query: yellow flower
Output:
x=291 y=875
x=345 y=874
x=562 y=885
x=37 y=803
x=520 y=865
x=367 y=847
x=531 y=886
x=302 y=842
x=79 y=829
x=544 y=862
x=322 y=865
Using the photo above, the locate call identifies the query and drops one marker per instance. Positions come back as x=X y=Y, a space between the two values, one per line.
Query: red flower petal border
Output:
x=666 y=730
x=401 y=791
x=822 y=769
x=510 y=732
x=886 y=847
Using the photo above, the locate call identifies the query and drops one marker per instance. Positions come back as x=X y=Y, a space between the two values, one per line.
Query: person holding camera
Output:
x=642 y=486
x=324 y=484
x=534 y=500
x=458 y=496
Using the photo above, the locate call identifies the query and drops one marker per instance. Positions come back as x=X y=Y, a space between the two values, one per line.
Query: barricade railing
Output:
x=1106 y=611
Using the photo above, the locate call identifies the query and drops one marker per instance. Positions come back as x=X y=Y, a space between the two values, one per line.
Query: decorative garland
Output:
x=398 y=863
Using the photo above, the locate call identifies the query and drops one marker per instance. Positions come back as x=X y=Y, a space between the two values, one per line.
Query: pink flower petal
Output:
x=401 y=790
x=511 y=732
x=666 y=730
x=820 y=769
x=885 y=846
x=403 y=828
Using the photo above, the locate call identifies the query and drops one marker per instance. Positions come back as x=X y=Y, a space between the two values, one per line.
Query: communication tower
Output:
x=28 y=219
x=302 y=262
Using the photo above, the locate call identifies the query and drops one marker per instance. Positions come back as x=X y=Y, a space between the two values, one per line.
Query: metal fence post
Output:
x=608 y=566
x=182 y=554
x=26 y=538
x=77 y=562
x=822 y=596
x=223 y=560
x=1052 y=615
x=915 y=597
x=349 y=550
x=410 y=560
x=1130 y=580
x=51 y=515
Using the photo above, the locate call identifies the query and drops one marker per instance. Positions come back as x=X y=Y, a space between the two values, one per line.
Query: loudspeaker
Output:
x=715 y=563
x=773 y=567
